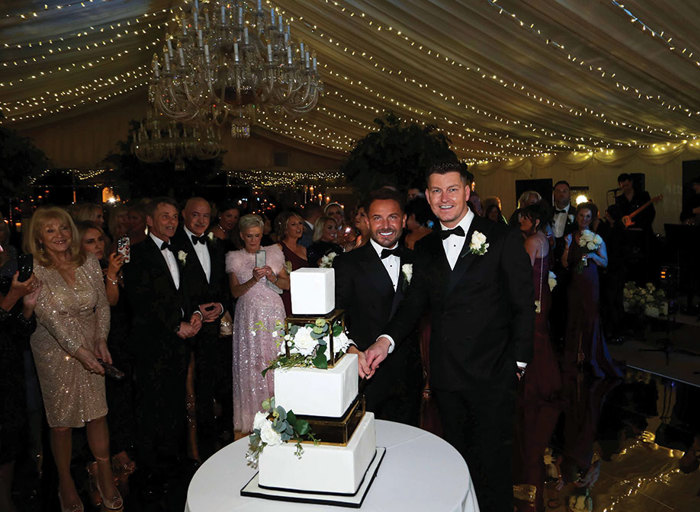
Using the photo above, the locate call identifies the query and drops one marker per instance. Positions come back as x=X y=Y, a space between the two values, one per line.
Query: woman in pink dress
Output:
x=253 y=344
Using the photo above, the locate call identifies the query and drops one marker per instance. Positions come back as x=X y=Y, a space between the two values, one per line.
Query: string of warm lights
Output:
x=657 y=35
x=27 y=15
x=285 y=178
x=602 y=73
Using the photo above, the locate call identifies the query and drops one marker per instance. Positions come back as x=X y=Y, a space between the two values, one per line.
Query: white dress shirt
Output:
x=170 y=260
x=202 y=254
x=454 y=244
x=392 y=263
x=559 y=224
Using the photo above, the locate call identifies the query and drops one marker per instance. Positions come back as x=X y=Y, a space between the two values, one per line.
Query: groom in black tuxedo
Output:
x=161 y=322
x=204 y=278
x=477 y=280
x=369 y=285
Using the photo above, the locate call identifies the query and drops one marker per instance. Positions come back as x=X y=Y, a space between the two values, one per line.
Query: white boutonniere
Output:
x=210 y=236
x=327 y=260
x=478 y=244
x=182 y=257
x=407 y=269
x=571 y=218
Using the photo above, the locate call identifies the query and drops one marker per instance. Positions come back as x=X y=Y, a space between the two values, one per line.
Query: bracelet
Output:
x=113 y=281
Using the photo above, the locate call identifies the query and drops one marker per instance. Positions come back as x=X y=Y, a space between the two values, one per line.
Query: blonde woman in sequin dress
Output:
x=254 y=348
x=72 y=326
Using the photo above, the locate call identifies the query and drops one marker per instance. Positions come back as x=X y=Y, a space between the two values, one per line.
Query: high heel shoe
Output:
x=113 y=502
x=95 y=497
x=77 y=507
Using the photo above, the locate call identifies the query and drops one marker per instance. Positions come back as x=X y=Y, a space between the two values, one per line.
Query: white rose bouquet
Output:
x=589 y=242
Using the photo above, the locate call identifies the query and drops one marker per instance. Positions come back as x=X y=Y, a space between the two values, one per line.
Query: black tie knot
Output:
x=557 y=212
x=391 y=252
x=199 y=239
x=166 y=245
x=446 y=233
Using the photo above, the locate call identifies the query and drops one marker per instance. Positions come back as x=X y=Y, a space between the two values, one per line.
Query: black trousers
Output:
x=478 y=422
x=204 y=346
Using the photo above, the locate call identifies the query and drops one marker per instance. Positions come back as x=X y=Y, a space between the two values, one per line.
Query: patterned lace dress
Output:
x=253 y=348
x=69 y=317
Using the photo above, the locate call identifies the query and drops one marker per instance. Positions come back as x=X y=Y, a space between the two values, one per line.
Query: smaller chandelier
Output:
x=226 y=60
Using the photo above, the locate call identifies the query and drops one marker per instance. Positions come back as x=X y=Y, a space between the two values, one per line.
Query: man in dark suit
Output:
x=477 y=280
x=161 y=322
x=369 y=285
x=204 y=278
x=563 y=223
x=312 y=211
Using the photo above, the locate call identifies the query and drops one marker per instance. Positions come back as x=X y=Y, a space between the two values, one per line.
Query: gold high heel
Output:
x=113 y=502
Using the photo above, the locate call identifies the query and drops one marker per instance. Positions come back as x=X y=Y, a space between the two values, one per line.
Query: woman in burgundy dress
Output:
x=539 y=407
x=584 y=336
x=290 y=227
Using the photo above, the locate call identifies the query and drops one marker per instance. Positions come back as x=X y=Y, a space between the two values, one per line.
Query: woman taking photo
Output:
x=254 y=348
x=585 y=343
x=72 y=326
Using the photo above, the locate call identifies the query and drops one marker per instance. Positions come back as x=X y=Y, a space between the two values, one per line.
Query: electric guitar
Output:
x=627 y=219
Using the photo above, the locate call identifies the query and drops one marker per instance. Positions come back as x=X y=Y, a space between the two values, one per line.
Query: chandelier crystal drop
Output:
x=225 y=60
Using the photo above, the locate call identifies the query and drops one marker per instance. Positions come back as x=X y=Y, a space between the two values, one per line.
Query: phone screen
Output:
x=260 y=259
x=25 y=262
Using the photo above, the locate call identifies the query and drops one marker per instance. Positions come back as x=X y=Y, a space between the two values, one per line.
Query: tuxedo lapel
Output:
x=374 y=269
x=159 y=261
x=466 y=259
x=192 y=264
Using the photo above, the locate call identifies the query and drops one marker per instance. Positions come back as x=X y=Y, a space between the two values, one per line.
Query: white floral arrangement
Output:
x=273 y=426
x=589 y=240
x=308 y=345
x=644 y=299
x=327 y=260
x=478 y=244
x=182 y=257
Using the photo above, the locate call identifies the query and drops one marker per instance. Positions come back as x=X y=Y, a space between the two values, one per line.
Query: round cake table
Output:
x=419 y=472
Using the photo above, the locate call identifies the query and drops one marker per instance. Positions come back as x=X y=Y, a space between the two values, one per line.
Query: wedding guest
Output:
x=335 y=211
x=312 y=211
x=369 y=284
x=269 y=236
x=563 y=223
x=136 y=221
x=481 y=301
x=290 y=227
x=325 y=240
x=361 y=224
x=71 y=335
x=419 y=221
x=17 y=322
x=8 y=253
x=542 y=380
x=226 y=224
x=413 y=193
x=161 y=321
x=585 y=342
x=526 y=199
x=118 y=222
x=92 y=239
x=475 y=203
x=88 y=211
x=203 y=277
x=493 y=213
x=254 y=348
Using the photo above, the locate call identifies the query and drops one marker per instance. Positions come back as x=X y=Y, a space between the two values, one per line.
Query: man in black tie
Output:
x=161 y=322
x=563 y=223
x=312 y=211
x=204 y=276
x=369 y=284
x=477 y=281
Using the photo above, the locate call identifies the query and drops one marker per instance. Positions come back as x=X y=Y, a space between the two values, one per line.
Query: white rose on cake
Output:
x=260 y=420
x=268 y=434
x=304 y=344
x=340 y=344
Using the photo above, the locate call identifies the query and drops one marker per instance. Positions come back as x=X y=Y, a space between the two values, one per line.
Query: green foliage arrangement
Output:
x=398 y=154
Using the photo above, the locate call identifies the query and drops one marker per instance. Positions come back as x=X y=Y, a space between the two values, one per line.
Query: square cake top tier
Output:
x=313 y=291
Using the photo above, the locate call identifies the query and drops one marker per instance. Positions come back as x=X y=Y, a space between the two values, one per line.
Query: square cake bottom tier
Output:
x=323 y=468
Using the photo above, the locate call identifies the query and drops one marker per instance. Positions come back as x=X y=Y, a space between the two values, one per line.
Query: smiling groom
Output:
x=476 y=278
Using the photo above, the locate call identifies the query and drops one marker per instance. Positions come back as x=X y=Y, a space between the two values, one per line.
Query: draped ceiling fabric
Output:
x=508 y=81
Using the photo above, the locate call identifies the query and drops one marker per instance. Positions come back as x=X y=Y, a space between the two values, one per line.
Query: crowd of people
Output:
x=169 y=331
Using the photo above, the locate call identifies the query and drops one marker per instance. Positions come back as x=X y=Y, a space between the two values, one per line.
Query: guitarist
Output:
x=639 y=237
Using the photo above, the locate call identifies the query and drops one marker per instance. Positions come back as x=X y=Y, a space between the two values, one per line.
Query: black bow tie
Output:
x=391 y=252
x=166 y=245
x=199 y=239
x=446 y=233
x=557 y=212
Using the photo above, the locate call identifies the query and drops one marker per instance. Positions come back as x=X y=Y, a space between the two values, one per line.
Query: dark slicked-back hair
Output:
x=539 y=211
x=445 y=167
x=385 y=193
x=562 y=182
x=153 y=205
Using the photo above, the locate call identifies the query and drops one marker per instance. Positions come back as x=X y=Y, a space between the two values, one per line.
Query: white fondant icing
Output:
x=313 y=291
x=315 y=392
x=322 y=468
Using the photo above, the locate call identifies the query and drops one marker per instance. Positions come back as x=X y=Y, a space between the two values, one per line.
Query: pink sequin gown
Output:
x=253 y=350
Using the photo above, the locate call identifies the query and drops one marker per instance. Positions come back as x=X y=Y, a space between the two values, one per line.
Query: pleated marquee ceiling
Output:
x=503 y=79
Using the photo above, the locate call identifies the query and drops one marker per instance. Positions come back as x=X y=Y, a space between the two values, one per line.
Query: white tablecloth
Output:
x=419 y=472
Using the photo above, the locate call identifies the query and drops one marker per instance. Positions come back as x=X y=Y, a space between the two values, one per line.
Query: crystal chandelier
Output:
x=159 y=139
x=225 y=60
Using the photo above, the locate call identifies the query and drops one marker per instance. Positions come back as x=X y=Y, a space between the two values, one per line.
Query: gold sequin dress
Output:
x=68 y=318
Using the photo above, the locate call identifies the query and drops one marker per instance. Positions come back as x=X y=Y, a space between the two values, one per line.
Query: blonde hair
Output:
x=33 y=245
x=249 y=221
x=525 y=196
x=85 y=211
x=114 y=214
x=320 y=225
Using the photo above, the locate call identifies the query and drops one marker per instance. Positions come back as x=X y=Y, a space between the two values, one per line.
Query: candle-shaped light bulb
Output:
x=199 y=38
x=206 y=53
x=184 y=27
x=269 y=53
x=289 y=55
x=206 y=19
x=196 y=20
x=223 y=14
x=196 y=5
x=156 y=71
x=235 y=52
x=306 y=59
x=245 y=35
x=281 y=23
x=314 y=63
x=169 y=42
x=272 y=16
x=182 y=56
x=240 y=15
x=167 y=63
x=259 y=5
